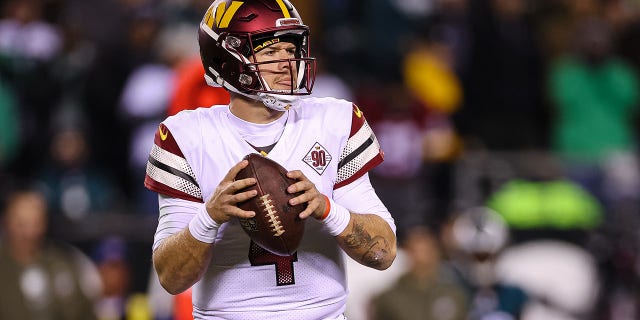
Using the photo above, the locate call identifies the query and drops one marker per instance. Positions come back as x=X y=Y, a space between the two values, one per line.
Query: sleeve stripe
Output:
x=173 y=181
x=361 y=153
x=356 y=152
x=361 y=136
x=360 y=160
x=172 y=160
x=172 y=171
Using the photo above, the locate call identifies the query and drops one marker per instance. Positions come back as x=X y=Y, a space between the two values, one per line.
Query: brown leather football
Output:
x=276 y=226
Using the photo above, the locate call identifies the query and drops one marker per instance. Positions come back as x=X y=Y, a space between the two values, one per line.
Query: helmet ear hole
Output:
x=245 y=79
x=234 y=42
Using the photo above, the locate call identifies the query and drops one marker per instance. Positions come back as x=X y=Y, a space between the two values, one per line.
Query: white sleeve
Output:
x=359 y=196
x=175 y=215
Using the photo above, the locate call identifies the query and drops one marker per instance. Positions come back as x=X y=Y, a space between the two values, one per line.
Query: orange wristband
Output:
x=326 y=209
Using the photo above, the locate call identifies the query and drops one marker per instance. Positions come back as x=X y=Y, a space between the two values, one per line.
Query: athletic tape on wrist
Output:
x=337 y=219
x=203 y=227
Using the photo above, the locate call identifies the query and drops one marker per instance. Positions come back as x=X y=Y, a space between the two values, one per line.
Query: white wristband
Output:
x=202 y=227
x=337 y=219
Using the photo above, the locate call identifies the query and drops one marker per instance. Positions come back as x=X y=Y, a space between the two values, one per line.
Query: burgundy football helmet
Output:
x=232 y=31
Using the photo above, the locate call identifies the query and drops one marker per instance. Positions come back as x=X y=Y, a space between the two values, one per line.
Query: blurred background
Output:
x=510 y=130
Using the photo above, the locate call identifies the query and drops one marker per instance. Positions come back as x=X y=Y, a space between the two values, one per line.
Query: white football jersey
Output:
x=330 y=141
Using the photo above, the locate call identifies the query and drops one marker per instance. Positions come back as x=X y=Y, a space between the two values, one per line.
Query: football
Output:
x=276 y=226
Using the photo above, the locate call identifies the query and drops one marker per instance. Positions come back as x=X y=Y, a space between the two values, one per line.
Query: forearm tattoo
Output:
x=375 y=248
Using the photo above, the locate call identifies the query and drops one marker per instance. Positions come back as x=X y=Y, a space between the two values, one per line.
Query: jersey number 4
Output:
x=284 y=264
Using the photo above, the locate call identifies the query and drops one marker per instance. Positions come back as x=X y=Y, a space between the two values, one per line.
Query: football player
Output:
x=259 y=51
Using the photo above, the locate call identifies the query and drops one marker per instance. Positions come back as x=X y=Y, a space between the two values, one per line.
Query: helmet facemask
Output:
x=301 y=68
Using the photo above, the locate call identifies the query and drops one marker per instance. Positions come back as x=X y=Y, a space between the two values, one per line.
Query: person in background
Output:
x=75 y=185
x=595 y=93
x=595 y=98
x=428 y=290
x=473 y=240
x=191 y=91
x=29 y=46
x=115 y=272
x=41 y=279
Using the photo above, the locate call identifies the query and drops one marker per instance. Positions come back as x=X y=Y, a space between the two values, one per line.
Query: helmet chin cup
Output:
x=278 y=102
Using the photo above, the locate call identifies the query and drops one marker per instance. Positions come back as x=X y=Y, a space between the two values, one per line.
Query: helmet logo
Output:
x=223 y=15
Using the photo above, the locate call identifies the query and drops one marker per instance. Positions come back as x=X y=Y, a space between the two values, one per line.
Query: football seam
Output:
x=255 y=174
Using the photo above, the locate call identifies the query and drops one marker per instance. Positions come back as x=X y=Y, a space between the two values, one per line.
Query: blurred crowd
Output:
x=510 y=130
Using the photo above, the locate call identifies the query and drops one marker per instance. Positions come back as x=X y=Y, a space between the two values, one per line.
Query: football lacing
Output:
x=272 y=214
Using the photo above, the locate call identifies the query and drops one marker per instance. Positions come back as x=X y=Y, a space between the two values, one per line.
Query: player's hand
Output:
x=316 y=203
x=223 y=203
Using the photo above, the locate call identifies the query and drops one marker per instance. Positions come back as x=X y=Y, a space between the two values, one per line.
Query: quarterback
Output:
x=259 y=51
